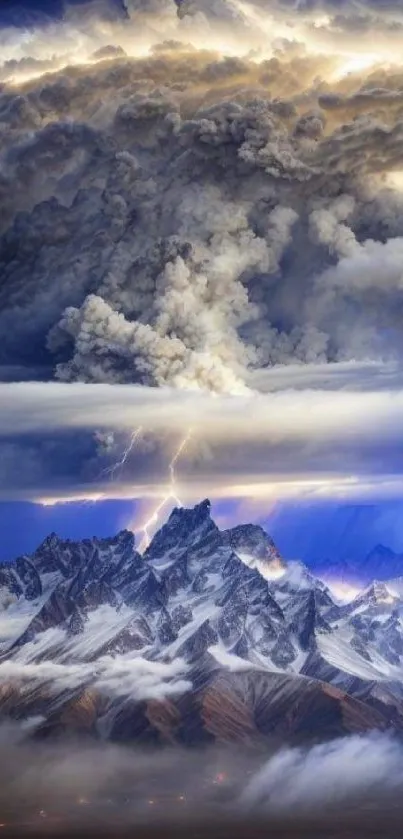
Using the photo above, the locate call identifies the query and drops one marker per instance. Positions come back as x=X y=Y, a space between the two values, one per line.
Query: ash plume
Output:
x=182 y=215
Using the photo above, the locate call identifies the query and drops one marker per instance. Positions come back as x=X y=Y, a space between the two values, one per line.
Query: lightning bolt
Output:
x=112 y=470
x=171 y=495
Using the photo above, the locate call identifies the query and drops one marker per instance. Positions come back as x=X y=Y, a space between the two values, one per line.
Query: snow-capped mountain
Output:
x=208 y=634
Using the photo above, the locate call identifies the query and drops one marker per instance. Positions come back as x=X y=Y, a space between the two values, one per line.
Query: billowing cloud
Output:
x=215 y=211
x=202 y=197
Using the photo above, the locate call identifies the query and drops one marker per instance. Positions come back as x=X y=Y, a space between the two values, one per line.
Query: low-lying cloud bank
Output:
x=354 y=770
x=123 y=677
x=107 y=784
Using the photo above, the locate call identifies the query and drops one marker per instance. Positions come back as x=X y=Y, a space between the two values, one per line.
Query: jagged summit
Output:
x=252 y=540
x=376 y=594
x=194 y=515
x=50 y=541
x=191 y=517
x=123 y=537
x=185 y=527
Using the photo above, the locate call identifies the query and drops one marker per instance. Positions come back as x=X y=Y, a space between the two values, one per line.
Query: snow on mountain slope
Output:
x=337 y=649
x=395 y=587
x=16 y=613
x=199 y=600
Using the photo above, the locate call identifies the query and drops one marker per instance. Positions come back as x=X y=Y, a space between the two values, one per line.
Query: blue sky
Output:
x=307 y=531
x=24 y=525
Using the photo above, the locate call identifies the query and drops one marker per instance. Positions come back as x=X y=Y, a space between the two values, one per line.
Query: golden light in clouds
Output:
x=253 y=489
x=296 y=139
x=353 y=63
x=394 y=179
x=272 y=571
x=256 y=35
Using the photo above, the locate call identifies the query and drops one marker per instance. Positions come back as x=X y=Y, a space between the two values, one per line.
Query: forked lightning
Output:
x=111 y=470
x=171 y=495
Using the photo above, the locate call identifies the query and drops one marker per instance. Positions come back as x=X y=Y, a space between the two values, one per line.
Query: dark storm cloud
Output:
x=101 y=264
x=326 y=437
x=32 y=461
x=191 y=200
x=31 y=13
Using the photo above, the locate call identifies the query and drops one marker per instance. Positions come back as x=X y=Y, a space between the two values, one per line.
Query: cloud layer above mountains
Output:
x=192 y=193
x=304 y=440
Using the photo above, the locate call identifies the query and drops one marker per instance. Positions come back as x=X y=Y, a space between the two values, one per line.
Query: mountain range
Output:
x=354 y=541
x=380 y=560
x=209 y=635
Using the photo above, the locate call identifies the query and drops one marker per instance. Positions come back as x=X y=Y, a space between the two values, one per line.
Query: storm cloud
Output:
x=183 y=217
x=194 y=197
x=307 y=434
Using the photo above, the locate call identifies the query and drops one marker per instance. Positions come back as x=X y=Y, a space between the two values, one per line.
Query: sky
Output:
x=201 y=241
x=22 y=13
x=324 y=535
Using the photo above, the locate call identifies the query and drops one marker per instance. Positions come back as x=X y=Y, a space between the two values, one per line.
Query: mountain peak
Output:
x=379 y=592
x=197 y=513
x=252 y=539
x=184 y=527
x=124 y=537
x=50 y=541
x=381 y=551
x=202 y=603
